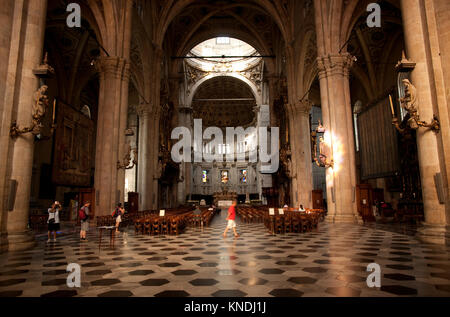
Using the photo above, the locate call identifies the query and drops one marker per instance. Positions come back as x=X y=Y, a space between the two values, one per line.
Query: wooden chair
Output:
x=287 y=223
x=165 y=226
x=148 y=226
x=279 y=224
x=138 y=227
x=197 y=220
x=306 y=223
x=296 y=224
x=156 y=226
x=174 y=222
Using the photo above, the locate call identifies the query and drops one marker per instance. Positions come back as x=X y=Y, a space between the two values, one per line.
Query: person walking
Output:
x=84 y=219
x=231 y=220
x=53 y=220
x=118 y=213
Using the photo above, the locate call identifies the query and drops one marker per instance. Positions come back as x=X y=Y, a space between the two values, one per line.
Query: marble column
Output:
x=112 y=118
x=417 y=39
x=339 y=137
x=302 y=183
x=24 y=57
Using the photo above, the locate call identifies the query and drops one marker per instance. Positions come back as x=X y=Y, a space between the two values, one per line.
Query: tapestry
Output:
x=73 y=157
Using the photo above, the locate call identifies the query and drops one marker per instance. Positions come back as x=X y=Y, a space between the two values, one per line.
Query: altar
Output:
x=224 y=198
x=224 y=203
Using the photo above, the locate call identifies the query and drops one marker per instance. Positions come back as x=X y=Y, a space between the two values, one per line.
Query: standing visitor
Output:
x=231 y=219
x=53 y=220
x=118 y=213
x=84 y=219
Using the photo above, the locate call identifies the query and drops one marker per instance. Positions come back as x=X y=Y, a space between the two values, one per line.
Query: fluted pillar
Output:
x=25 y=55
x=417 y=21
x=339 y=137
x=112 y=118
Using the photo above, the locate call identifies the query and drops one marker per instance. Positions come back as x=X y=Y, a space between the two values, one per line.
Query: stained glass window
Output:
x=244 y=176
x=204 y=176
x=224 y=176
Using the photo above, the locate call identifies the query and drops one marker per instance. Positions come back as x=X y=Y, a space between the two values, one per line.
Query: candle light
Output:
x=54 y=110
x=392 y=106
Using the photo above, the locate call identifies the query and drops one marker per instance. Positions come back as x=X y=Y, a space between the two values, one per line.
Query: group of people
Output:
x=119 y=211
x=84 y=216
x=300 y=208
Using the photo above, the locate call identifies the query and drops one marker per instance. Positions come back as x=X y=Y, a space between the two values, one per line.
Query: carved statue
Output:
x=285 y=158
x=127 y=158
x=409 y=102
x=41 y=103
x=160 y=169
x=39 y=109
x=321 y=145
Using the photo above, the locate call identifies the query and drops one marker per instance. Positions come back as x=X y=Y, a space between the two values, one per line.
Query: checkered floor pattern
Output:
x=331 y=261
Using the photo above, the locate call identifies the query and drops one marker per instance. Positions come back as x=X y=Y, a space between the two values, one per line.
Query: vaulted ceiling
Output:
x=203 y=20
x=70 y=52
x=212 y=103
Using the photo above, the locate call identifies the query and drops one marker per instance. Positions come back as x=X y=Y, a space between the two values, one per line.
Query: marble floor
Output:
x=331 y=261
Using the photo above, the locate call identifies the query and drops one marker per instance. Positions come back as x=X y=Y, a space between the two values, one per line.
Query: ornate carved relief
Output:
x=334 y=64
x=116 y=66
x=255 y=74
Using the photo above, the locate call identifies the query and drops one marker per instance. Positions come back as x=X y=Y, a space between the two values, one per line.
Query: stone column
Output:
x=184 y=120
x=302 y=184
x=144 y=113
x=24 y=57
x=6 y=16
x=293 y=171
x=112 y=117
x=441 y=55
x=339 y=137
x=154 y=158
x=417 y=38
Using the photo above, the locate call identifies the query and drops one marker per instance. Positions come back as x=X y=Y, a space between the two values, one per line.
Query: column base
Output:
x=436 y=234
x=20 y=241
x=342 y=218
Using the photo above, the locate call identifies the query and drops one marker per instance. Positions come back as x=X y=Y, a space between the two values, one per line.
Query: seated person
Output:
x=301 y=209
x=197 y=211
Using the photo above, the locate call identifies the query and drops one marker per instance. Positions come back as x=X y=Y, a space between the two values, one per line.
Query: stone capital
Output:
x=113 y=65
x=184 y=109
x=300 y=108
x=334 y=64
x=144 y=110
